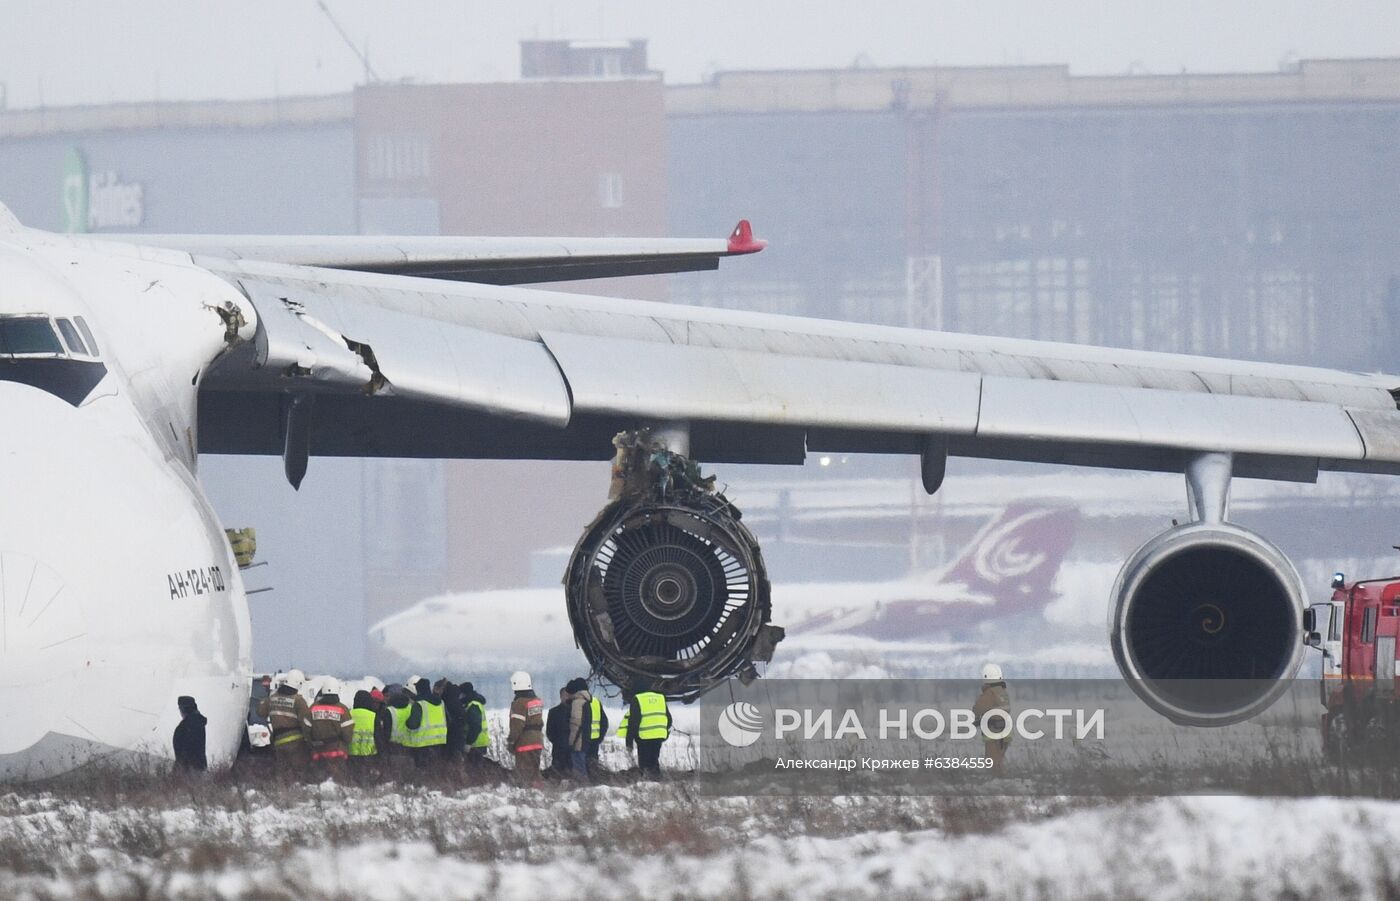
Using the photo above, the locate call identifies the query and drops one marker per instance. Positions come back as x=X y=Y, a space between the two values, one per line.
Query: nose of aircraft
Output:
x=72 y=480
x=44 y=647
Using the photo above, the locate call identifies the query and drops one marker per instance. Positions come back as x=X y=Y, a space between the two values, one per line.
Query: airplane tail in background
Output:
x=1014 y=559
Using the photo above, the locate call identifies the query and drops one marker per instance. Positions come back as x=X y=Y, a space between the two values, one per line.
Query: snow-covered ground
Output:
x=220 y=839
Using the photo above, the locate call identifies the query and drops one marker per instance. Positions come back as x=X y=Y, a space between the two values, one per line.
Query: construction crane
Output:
x=371 y=77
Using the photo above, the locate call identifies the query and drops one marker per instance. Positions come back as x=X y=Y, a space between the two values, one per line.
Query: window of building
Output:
x=607 y=65
x=610 y=190
x=397 y=157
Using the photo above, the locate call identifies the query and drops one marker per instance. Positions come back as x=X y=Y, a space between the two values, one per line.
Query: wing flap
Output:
x=1380 y=433
x=1068 y=412
x=679 y=381
x=292 y=342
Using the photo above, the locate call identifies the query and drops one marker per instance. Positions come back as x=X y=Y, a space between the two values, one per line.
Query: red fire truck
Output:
x=1357 y=633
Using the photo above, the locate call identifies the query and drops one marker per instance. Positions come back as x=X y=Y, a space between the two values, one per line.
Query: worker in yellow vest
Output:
x=648 y=722
x=598 y=728
x=478 y=732
x=364 y=742
x=626 y=720
x=426 y=726
x=400 y=701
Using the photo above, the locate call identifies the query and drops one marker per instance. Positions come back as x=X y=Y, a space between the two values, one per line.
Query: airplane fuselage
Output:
x=118 y=590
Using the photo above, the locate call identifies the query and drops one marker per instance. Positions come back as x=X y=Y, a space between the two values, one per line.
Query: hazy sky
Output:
x=62 y=52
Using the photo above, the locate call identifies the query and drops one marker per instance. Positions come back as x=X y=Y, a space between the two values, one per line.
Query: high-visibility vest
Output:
x=362 y=744
x=622 y=725
x=483 y=738
x=595 y=713
x=398 y=732
x=432 y=731
x=652 y=706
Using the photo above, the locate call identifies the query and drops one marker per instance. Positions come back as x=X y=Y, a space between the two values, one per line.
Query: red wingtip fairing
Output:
x=741 y=240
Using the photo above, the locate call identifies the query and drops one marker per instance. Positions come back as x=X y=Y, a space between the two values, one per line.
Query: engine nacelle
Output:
x=1207 y=623
x=670 y=596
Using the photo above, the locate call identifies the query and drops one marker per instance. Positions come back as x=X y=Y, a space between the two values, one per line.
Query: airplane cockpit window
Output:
x=87 y=335
x=28 y=335
x=52 y=355
x=35 y=335
x=72 y=340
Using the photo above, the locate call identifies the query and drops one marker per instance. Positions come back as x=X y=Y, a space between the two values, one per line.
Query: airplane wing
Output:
x=492 y=261
x=411 y=367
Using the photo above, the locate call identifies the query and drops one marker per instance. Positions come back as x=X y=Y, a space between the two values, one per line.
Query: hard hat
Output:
x=991 y=673
x=520 y=681
x=329 y=687
x=413 y=681
x=295 y=678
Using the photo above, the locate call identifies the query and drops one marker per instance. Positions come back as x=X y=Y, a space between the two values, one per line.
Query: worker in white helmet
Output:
x=526 y=738
x=286 y=711
x=994 y=696
x=329 y=730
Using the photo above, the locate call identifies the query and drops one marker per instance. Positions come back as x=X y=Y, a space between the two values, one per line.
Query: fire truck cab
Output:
x=1357 y=632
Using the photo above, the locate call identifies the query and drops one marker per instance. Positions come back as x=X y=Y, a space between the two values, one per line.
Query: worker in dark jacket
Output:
x=556 y=730
x=383 y=720
x=398 y=701
x=456 y=712
x=189 y=737
x=580 y=726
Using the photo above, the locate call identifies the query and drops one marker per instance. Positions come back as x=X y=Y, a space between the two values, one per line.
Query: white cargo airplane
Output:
x=1008 y=570
x=123 y=358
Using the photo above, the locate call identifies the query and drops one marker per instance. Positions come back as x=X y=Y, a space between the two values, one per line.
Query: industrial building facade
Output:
x=1242 y=215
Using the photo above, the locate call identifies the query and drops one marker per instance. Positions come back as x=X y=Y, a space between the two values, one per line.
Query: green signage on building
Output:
x=75 y=191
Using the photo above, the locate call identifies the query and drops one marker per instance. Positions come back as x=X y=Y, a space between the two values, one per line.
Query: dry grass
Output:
x=118 y=834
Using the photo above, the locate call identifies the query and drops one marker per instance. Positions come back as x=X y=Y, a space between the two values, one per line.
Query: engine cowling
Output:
x=670 y=596
x=1207 y=623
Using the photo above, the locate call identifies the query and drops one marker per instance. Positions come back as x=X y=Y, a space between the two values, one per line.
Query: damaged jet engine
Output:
x=667 y=589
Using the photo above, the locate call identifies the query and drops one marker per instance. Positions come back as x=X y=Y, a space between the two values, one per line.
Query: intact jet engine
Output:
x=1207 y=616
x=667 y=589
